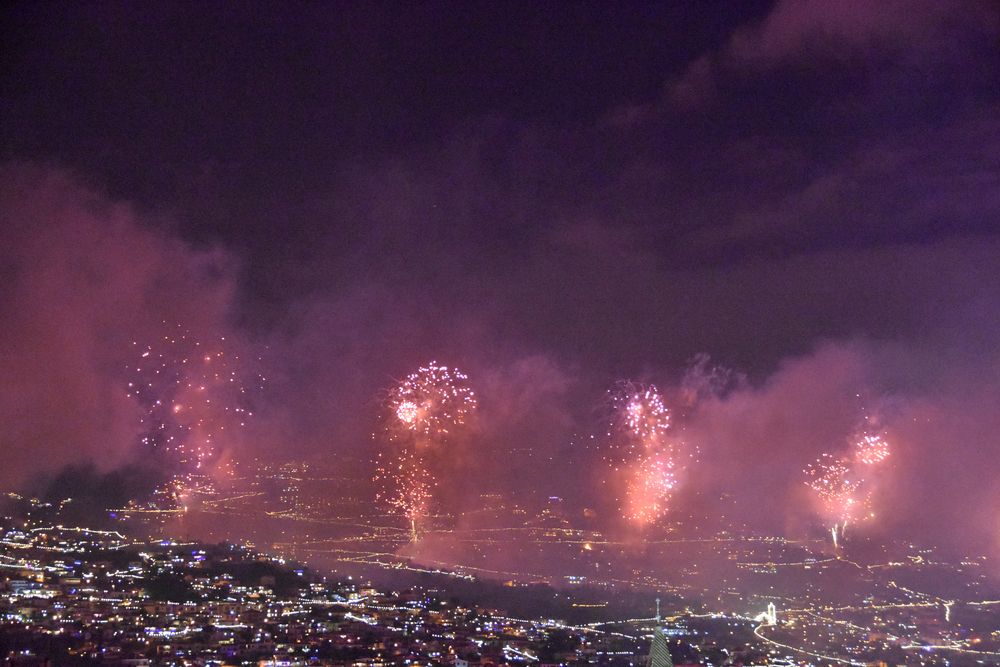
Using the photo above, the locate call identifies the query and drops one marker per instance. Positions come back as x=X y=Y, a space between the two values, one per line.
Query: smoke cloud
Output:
x=809 y=198
x=83 y=277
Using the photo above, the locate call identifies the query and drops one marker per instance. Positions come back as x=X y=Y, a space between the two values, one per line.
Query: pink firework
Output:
x=192 y=393
x=404 y=485
x=871 y=449
x=642 y=448
x=640 y=417
x=422 y=413
x=651 y=483
x=839 y=488
x=431 y=402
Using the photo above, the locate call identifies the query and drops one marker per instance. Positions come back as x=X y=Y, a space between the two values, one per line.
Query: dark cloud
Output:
x=926 y=37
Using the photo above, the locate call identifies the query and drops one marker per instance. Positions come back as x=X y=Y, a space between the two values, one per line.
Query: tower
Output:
x=772 y=614
x=659 y=655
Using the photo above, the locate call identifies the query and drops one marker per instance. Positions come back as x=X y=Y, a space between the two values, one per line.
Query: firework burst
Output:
x=644 y=450
x=431 y=402
x=639 y=413
x=839 y=489
x=870 y=449
x=191 y=394
x=422 y=413
x=870 y=444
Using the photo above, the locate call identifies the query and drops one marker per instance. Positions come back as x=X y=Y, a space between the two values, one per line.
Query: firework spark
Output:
x=870 y=444
x=871 y=449
x=840 y=491
x=639 y=412
x=404 y=485
x=431 y=402
x=650 y=486
x=422 y=412
x=191 y=393
x=640 y=445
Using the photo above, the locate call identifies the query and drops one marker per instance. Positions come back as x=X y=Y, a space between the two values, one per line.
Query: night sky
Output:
x=550 y=196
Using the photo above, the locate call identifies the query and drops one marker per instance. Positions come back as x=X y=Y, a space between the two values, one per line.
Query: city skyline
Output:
x=698 y=299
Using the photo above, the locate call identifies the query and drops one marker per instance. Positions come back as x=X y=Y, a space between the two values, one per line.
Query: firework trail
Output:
x=840 y=492
x=191 y=393
x=422 y=413
x=404 y=485
x=644 y=449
